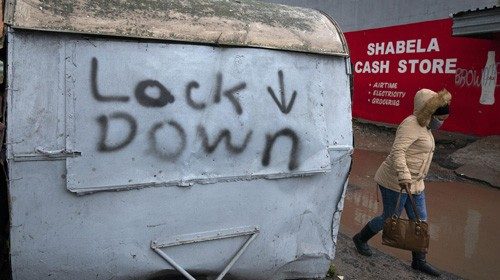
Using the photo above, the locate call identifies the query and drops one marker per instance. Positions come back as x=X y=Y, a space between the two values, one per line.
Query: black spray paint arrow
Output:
x=282 y=105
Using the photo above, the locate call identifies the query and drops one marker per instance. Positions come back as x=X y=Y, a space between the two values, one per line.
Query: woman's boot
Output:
x=361 y=238
x=419 y=263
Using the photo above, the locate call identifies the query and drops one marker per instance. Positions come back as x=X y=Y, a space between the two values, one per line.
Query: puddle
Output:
x=463 y=219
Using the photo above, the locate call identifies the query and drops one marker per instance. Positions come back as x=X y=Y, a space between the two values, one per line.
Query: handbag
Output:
x=406 y=234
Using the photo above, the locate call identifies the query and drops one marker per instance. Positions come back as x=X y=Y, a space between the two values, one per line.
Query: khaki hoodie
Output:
x=413 y=147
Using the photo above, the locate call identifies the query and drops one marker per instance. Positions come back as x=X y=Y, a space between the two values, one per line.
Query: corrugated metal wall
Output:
x=366 y=14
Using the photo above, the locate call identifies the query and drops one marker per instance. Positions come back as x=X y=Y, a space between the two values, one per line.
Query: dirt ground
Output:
x=351 y=265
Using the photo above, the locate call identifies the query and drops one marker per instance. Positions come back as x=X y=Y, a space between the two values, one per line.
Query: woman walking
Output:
x=406 y=167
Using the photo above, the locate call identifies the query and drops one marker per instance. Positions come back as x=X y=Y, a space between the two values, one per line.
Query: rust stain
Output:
x=1 y=21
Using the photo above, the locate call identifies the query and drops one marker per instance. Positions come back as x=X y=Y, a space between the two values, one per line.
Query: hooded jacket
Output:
x=413 y=147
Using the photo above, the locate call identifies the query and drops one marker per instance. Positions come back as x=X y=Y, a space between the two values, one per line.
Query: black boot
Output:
x=419 y=263
x=361 y=238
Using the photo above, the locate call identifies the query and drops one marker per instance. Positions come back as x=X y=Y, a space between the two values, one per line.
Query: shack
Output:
x=151 y=139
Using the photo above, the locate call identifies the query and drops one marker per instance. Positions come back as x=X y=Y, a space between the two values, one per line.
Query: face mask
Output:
x=435 y=123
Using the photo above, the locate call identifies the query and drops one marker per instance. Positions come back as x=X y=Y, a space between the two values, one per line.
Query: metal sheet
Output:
x=481 y=22
x=219 y=22
x=41 y=125
x=55 y=234
x=146 y=114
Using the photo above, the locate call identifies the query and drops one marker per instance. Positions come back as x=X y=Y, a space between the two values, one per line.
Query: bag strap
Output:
x=397 y=206
x=413 y=204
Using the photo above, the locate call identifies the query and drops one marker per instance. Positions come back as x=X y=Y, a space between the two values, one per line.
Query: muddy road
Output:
x=463 y=219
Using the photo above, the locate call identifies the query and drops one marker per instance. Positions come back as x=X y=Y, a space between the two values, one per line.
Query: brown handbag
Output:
x=406 y=234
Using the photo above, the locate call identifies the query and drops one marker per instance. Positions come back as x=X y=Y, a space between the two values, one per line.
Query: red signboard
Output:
x=391 y=64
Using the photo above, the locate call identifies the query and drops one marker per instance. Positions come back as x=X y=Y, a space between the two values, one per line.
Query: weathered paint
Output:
x=56 y=234
x=220 y=22
x=1 y=22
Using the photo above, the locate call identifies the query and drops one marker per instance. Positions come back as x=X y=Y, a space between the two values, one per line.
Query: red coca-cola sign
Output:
x=391 y=64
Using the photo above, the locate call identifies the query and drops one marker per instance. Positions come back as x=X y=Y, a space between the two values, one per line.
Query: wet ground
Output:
x=464 y=225
x=380 y=266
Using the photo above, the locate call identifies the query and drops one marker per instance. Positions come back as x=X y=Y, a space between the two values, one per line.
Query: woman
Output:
x=406 y=166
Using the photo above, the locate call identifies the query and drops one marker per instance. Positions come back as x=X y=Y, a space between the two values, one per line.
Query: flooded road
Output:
x=463 y=218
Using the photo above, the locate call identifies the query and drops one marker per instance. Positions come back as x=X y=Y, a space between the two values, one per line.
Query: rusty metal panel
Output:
x=220 y=22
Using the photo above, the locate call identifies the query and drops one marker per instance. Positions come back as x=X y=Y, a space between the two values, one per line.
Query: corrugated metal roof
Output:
x=221 y=22
x=478 y=10
x=476 y=22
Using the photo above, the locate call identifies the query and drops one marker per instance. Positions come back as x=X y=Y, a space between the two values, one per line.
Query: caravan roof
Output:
x=245 y=23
